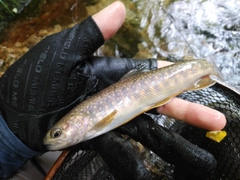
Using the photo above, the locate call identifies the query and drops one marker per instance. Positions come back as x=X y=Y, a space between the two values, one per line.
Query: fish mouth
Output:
x=53 y=147
x=49 y=147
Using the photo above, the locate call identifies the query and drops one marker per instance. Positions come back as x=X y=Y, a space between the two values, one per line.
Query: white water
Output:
x=192 y=28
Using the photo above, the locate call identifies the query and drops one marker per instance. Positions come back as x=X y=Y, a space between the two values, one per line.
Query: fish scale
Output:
x=129 y=97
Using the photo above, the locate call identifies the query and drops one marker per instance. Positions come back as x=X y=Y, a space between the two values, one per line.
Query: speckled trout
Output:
x=119 y=103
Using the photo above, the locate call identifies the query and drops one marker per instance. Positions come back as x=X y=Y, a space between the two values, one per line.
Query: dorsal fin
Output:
x=139 y=69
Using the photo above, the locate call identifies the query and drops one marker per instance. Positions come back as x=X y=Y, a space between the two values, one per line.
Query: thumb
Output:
x=110 y=19
x=86 y=37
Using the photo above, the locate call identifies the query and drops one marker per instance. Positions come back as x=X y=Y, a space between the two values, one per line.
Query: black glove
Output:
x=57 y=74
x=190 y=161
x=53 y=77
x=122 y=158
x=124 y=161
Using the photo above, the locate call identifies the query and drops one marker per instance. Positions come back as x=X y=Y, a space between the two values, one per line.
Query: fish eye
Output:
x=55 y=133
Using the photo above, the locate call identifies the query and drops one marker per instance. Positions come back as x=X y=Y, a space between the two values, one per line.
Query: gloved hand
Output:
x=54 y=76
x=124 y=161
x=190 y=161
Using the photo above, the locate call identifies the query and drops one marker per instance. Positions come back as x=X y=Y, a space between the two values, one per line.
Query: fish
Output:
x=222 y=97
x=135 y=94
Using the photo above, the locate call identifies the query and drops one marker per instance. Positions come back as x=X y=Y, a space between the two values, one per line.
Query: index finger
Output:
x=194 y=114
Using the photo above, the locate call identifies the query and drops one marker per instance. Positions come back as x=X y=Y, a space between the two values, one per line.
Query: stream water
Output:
x=154 y=28
x=198 y=28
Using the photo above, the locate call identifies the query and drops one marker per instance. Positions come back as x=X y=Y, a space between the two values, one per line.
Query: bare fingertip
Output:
x=220 y=121
x=110 y=19
x=217 y=119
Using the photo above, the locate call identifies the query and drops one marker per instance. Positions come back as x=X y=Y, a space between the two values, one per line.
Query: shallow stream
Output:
x=197 y=28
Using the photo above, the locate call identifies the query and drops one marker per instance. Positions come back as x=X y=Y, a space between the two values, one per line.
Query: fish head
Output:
x=66 y=133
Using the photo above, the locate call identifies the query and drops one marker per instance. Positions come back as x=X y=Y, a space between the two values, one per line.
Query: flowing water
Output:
x=202 y=29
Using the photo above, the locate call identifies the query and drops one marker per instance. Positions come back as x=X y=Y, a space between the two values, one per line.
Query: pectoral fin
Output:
x=104 y=122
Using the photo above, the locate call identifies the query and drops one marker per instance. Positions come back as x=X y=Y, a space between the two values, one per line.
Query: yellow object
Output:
x=217 y=136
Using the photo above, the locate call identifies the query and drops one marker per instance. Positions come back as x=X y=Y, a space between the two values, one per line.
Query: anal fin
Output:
x=165 y=101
